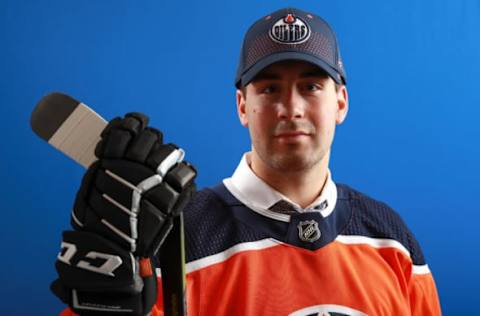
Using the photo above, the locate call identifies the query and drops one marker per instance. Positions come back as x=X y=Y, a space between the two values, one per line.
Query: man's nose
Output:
x=291 y=105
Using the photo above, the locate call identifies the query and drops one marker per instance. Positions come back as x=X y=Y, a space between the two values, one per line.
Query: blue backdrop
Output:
x=411 y=137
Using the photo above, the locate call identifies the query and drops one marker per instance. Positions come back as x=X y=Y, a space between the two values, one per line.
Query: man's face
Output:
x=291 y=109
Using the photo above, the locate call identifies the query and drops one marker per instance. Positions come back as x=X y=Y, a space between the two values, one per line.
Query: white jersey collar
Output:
x=252 y=191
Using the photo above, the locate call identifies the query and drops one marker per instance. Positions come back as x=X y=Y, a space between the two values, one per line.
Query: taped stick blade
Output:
x=68 y=125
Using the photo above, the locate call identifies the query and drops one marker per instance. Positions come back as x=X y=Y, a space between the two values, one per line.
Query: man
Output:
x=277 y=238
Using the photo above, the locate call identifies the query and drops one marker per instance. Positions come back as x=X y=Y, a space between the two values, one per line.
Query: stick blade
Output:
x=50 y=113
x=68 y=125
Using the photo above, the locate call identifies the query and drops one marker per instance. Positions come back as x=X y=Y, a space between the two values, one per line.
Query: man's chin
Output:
x=292 y=162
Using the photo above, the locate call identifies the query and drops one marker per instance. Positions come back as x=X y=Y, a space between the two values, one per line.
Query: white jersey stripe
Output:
x=382 y=243
x=421 y=269
x=225 y=255
x=374 y=242
x=270 y=242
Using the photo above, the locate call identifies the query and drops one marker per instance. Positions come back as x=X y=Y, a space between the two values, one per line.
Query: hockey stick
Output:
x=74 y=129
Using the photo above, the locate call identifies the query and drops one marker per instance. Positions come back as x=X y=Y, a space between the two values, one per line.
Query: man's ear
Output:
x=342 y=103
x=241 y=108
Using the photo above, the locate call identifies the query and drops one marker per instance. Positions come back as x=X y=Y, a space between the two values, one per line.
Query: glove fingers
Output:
x=142 y=145
x=159 y=154
x=181 y=176
x=132 y=155
x=115 y=144
x=118 y=134
x=141 y=118
x=114 y=123
x=134 y=122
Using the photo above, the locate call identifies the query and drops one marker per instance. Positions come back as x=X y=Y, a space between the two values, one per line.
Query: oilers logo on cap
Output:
x=290 y=30
x=289 y=34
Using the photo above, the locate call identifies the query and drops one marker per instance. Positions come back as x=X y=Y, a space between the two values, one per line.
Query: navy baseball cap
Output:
x=289 y=34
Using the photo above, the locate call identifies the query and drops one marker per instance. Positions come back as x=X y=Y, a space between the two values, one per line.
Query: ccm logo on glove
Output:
x=110 y=262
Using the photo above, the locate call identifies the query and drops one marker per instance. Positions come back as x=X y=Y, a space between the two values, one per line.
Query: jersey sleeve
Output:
x=423 y=295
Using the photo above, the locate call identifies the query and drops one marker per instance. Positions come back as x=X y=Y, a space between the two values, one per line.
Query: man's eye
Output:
x=312 y=87
x=269 y=89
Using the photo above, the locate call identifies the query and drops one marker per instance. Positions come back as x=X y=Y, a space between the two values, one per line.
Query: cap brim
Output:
x=271 y=59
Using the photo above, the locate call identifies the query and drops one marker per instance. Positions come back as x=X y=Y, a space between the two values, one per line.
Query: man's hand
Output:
x=122 y=214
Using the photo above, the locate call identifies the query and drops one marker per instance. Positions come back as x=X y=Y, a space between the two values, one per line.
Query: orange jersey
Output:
x=240 y=264
x=353 y=257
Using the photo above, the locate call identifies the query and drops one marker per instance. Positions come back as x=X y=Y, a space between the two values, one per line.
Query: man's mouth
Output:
x=292 y=134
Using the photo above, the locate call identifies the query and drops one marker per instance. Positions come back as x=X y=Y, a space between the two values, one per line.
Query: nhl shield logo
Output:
x=308 y=231
x=290 y=30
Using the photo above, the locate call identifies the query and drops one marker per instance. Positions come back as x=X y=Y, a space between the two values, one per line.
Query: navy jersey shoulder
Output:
x=372 y=218
x=213 y=223
x=211 y=227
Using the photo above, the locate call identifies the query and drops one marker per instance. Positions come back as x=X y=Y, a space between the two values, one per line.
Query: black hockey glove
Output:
x=122 y=214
